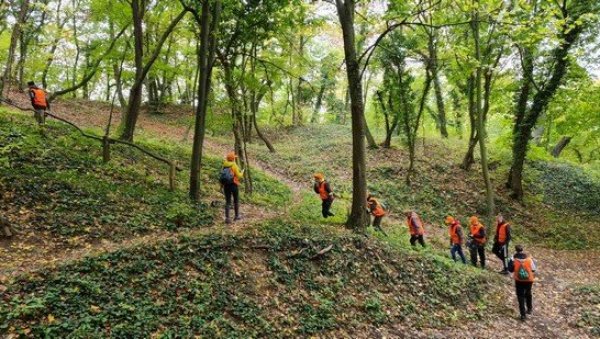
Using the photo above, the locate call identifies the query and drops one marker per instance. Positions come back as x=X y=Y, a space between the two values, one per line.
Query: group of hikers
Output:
x=521 y=265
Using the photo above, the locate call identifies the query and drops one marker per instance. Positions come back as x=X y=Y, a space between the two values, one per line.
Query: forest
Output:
x=118 y=119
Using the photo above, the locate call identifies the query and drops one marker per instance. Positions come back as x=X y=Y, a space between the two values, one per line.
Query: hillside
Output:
x=86 y=264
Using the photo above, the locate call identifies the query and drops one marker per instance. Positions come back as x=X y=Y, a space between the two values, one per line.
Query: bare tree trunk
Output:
x=560 y=146
x=14 y=40
x=358 y=218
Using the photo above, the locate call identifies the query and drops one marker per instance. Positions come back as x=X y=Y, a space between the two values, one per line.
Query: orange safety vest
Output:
x=475 y=230
x=39 y=97
x=322 y=191
x=415 y=229
x=502 y=232
x=453 y=231
x=527 y=265
x=377 y=210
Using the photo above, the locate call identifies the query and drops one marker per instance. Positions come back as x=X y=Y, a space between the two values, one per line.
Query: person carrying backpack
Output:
x=230 y=177
x=39 y=102
x=376 y=209
x=501 y=241
x=415 y=227
x=523 y=268
x=456 y=238
x=477 y=241
x=323 y=189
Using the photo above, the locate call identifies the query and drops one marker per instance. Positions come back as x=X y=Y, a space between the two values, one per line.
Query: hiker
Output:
x=323 y=189
x=523 y=266
x=230 y=180
x=456 y=238
x=415 y=226
x=501 y=241
x=376 y=209
x=477 y=241
x=39 y=102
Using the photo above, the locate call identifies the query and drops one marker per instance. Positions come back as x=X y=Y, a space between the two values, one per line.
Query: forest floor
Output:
x=558 y=303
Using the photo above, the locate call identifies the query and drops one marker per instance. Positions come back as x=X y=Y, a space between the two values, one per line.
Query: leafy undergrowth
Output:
x=272 y=285
x=587 y=305
x=439 y=187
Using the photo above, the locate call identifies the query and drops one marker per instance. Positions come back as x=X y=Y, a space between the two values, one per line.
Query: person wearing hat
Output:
x=456 y=238
x=323 y=189
x=376 y=209
x=477 y=241
x=39 y=102
x=230 y=181
x=523 y=268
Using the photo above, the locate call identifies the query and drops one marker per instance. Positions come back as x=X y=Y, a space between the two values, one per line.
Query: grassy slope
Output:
x=267 y=280
x=560 y=195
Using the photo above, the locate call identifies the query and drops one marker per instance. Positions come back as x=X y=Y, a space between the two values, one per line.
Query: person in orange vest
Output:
x=323 y=189
x=230 y=180
x=415 y=227
x=39 y=102
x=501 y=241
x=523 y=267
x=456 y=238
x=477 y=241
x=376 y=209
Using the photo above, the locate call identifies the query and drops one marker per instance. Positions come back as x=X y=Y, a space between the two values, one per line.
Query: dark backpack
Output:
x=226 y=176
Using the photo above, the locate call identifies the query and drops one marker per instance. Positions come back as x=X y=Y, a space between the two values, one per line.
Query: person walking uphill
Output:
x=323 y=189
x=477 y=242
x=39 y=102
x=456 y=238
x=415 y=227
x=523 y=268
x=230 y=180
x=376 y=209
x=501 y=241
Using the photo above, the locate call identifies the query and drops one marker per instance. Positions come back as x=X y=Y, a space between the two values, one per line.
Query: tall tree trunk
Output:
x=130 y=117
x=560 y=146
x=439 y=99
x=481 y=129
x=358 y=218
x=525 y=124
x=319 y=102
x=206 y=59
x=14 y=40
x=370 y=139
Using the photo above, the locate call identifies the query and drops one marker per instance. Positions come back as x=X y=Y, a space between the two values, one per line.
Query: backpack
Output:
x=226 y=176
x=523 y=275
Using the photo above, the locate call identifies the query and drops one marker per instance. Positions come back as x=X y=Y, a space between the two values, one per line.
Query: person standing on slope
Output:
x=477 y=241
x=501 y=242
x=39 y=102
x=523 y=268
x=323 y=189
x=376 y=209
x=230 y=180
x=456 y=238
x=415 y=227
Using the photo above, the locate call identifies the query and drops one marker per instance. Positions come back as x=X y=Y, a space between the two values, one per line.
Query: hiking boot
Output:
x=237 y=212
x=529 y=312
x=504 y=272
x=227 y=216
x=523 y=317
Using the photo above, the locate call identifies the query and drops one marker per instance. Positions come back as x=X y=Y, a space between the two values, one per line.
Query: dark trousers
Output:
x=457 y=248
x=524 y=296
x=475 y=250
x=326 y=206
x=377 y=222
x=231 y=191
x=415 y=238
x=501 y=251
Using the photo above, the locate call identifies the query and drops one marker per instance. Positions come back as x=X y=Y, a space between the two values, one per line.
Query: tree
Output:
x=572 y=18
x=14 y=40
x=358 y=218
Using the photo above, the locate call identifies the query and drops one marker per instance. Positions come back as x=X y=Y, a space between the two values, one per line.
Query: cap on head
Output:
x=473 y=220
x=31 y=84
x=449 y=219
x=519 y=248
x=231 y=156
x=319 y=176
